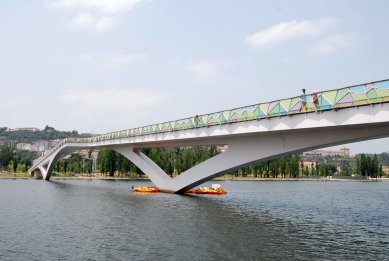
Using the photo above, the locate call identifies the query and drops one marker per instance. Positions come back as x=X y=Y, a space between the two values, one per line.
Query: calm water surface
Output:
x=104 y=220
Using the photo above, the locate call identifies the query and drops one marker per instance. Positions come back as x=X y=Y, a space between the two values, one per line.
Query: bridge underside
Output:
x=245 y=151
x=242 y=151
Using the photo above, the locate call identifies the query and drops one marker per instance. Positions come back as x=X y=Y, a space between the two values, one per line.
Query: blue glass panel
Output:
x=382 y=85
x=358 y=89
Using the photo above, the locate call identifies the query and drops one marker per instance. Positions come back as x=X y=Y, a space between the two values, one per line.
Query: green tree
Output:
x=89 y=163
x=65 y=166
x=15 y=164
x=364 y=165
x=381 y=172
x=7 y=149
x=306 y=171
x=331 y=169
x=358 y=166
x=374 y=166
x=345 y=168
x=58 y=167
x=28 y=163
x=107 y=161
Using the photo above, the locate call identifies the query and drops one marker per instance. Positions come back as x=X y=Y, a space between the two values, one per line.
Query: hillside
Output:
x=48 y=133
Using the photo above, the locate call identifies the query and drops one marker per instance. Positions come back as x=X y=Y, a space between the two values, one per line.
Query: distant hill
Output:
x=48 y=133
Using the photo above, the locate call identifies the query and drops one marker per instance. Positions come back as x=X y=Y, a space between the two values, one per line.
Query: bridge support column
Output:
x=149 y=167
x=249 y=150
x=43 y=172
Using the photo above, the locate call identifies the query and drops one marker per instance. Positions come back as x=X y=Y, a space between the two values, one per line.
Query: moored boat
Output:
x=216 y=189
x=146 y=189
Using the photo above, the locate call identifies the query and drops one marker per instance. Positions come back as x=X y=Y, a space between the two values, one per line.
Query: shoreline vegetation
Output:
x=20 y=175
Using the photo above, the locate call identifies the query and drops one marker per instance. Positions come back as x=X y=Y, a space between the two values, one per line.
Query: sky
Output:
x=104 y=65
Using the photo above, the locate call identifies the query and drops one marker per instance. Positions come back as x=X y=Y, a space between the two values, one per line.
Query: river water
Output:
x=257 y=220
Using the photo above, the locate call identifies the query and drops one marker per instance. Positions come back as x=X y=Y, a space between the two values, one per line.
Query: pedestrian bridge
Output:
x=253 y=134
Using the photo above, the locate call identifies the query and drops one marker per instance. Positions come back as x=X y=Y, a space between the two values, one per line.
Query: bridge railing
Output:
x=357 y=95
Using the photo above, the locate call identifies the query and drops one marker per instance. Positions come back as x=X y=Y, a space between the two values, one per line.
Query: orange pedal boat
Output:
x=214 y=190
x=146 y=189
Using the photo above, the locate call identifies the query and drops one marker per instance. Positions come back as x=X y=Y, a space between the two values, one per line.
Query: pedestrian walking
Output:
x=315 y=100
x=303 y=99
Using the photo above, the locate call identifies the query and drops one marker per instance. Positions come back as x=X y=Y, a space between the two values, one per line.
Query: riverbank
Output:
x=297 y=179
x=22 y=176
x=223 y=178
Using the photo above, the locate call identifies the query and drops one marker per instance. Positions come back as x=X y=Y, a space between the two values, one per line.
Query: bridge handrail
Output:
x=355 y=95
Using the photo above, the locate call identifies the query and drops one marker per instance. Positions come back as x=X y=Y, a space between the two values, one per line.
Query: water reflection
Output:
x=281 y=221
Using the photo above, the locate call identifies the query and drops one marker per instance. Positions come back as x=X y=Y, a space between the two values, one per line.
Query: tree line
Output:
x=14 y=160
x=368 y=166
x=48 y=133
x=170 y=160
x=177 y=160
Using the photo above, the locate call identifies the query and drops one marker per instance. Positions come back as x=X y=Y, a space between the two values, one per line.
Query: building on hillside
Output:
x=23 y=146
x=343 y=152
x=38 y=148
x=45 y=144
x=54 y=143
x=32 y=129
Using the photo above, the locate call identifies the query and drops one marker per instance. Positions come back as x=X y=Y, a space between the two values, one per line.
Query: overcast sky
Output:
x=104 y=65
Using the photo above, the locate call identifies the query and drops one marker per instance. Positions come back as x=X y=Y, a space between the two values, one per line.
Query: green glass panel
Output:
x=275 y=111
x=245 y=115
x=257 y=112
x=372 y=94
x=293 y=103
x=222 y=119
x=201 y=121
x=341 y=93
x=382 y=92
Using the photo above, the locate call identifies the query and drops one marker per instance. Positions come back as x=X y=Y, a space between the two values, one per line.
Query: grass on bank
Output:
x=26 y=175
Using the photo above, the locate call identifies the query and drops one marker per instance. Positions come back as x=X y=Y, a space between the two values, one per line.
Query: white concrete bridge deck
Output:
x=253 y=133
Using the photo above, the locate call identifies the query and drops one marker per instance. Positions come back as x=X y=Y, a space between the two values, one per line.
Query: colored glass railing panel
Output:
x=358 y=95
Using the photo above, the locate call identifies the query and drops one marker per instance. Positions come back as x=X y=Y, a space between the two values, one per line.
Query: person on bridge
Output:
x=315 y=100
x=196 y=120
x=303 y=99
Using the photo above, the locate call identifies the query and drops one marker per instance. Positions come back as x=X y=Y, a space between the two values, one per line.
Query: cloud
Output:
x=283 y=31
x=104 y=6
x=207 y=69
x=96 y=15
x=87 y=21
x=104 y=104
x=335 y=42
x=110 y=61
